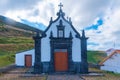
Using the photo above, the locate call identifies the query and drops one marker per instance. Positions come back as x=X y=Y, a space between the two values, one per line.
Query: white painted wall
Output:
x=112 y=64
x=20 y=57
x=45 y=42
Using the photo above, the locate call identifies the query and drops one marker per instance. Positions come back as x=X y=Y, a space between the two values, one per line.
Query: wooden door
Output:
x=61 y=61
x=28 y=60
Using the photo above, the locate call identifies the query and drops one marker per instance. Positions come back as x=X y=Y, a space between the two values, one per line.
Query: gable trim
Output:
x=51 y=22
x=105 y=59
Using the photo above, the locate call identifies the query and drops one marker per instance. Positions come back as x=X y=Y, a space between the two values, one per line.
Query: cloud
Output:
x=40 y=12
x=100 y=16
x=17 y=4
x=109 y=35
x=84 y=12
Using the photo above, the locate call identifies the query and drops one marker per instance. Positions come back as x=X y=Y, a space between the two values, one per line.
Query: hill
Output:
x=14 y=37
x=15 y=24
x=9 y=27
x=9 y=46
x=7 y=31
x=95 y=57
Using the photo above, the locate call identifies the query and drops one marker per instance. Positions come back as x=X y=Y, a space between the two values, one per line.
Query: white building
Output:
x=111 y=62
x=26 y=58
x=59 y=49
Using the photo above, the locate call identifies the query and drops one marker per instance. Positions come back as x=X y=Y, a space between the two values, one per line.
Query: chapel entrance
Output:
x=61 y=61
x=61 y=54
x=28 y=60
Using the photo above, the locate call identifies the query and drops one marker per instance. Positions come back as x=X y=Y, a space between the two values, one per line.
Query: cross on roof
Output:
x=60 y=5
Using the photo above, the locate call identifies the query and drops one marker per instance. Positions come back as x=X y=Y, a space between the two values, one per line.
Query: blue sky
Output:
x=95 y=26
x=99 y=18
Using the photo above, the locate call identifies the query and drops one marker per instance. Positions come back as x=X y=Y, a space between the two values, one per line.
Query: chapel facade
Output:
x=60 y=48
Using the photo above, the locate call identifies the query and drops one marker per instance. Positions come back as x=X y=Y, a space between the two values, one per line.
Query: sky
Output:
x=99 y=18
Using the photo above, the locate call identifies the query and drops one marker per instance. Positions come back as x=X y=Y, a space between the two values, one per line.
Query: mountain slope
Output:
x=16 y=24
x=8 y=31
x=9 y=27
x=35 y=24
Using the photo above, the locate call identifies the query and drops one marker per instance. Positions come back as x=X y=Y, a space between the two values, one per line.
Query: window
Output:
x=60 y=33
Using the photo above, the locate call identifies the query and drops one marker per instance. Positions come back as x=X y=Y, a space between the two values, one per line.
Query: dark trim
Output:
x=84 y=63
x=37 y=64
x=61 y=43
x=51 y=24
x=77 y=33
x=23 y=66
x=70 y=23
x=60 y=27
x=45 y=68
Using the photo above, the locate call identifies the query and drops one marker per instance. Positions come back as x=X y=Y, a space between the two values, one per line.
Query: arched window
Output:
x=60 y=33
x=60 y=29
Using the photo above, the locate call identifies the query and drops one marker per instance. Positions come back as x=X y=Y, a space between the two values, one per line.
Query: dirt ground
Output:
x=19 y=74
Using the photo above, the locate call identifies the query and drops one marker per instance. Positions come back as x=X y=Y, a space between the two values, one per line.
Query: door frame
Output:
x=61 y=43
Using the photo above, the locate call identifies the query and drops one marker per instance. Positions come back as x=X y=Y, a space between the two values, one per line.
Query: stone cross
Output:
x=60 y=5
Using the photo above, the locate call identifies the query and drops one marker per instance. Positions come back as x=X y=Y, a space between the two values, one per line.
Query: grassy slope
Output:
x=11 y=41
x=95 y=56
x=10 y=45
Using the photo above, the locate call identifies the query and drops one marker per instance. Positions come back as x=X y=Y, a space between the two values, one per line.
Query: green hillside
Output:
x=15 y=24
x=13 y=40
x=8 y=31
x=11 y=45
x=95 y=56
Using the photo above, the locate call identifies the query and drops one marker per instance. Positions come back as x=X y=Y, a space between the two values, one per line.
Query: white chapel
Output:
x=60 y=48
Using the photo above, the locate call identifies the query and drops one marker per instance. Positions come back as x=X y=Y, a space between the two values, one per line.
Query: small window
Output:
x=60 y=33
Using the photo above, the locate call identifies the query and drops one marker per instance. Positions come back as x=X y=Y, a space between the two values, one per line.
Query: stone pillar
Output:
x=37 y=64
x=84 y=63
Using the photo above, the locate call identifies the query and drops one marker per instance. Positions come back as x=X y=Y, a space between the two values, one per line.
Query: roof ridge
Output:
x=113 y=52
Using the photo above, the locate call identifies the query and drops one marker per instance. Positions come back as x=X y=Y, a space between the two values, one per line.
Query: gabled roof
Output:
x=61 y=14
x=24 y=51
x=109 y=50
x=105 y=59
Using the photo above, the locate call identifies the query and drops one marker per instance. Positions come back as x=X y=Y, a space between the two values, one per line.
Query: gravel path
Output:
x=64 y=77
x=17 y=74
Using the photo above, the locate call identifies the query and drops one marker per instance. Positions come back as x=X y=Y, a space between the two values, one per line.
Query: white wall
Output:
x=20 y=57
x=112 y=64
x=114 y=69
x=45 y=42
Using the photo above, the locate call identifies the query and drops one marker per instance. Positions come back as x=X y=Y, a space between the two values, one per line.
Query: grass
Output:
x=107 y=75
x=95 y=56
x=6 y=60
x=8 y=51
x=9 y=46
x=15 y=40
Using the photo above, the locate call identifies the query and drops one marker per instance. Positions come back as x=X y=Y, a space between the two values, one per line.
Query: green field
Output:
x=15 y=40
x=9 y=46
x=95 y=56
